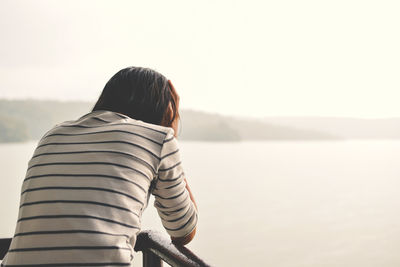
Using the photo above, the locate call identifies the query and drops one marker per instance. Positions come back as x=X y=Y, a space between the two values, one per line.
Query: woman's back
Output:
x=86 y=187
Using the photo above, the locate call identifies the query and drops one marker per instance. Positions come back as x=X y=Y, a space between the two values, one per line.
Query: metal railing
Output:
x=4 y=245
x=155 y=247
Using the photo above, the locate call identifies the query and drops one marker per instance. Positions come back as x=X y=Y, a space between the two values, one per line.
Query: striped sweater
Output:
x=86 y=187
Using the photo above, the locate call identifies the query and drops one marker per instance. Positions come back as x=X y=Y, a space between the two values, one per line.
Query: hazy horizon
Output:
x=239 y=116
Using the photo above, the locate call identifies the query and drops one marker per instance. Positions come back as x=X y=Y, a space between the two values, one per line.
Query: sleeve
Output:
x=174 y=206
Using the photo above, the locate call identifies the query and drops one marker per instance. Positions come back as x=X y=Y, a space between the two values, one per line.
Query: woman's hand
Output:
x=175 y=96
x=169 y=113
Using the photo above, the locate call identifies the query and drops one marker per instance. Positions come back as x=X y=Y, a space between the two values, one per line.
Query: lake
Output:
x=278 y=204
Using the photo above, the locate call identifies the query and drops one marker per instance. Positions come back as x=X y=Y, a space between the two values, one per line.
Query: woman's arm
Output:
x=172 y=194
x=174 y=125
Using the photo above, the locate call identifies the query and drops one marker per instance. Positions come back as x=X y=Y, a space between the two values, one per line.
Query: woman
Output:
x=89 y=180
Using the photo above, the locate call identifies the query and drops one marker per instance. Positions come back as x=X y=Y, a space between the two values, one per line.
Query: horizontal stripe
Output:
x=77 y=202
x=81 y=188
x=88 y=163
x=91 y=114
x=108 y=131
x=76 y=217
x=173 y=197
x=175 y=204
x=168 y=140
x=172 y=153
x=116 y=124
x=99 y=119
x=170 y=168
x=66 y=248
x=70 y=264
x=171 y=180
x=175 y=185
x=100 y=142
x=121 y=115
x=97 y=151
x=171 y=212
x=180 y=218
x=84 y=175
x=183 y=226
x=127 y=117
x=67 y=232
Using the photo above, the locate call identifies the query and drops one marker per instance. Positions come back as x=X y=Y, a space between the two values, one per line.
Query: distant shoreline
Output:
x=25 y=120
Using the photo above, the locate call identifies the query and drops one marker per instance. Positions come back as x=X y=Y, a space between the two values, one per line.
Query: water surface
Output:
x=274 y=203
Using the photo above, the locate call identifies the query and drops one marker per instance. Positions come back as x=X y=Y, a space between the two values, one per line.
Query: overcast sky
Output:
x=249 y=58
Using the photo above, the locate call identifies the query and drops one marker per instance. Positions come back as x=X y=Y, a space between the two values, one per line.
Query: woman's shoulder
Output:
x=145 y=125
x=103 y=120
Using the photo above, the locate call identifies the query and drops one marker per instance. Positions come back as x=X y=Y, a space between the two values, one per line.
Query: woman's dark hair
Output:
x=140 y=93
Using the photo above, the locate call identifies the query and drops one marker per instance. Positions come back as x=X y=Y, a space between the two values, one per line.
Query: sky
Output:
x=243 y=58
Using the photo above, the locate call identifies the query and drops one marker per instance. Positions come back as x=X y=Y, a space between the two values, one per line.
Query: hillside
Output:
x=22 y=120
x=199 y=124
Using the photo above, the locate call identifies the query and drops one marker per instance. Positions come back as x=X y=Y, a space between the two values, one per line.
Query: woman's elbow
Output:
x=181 y=241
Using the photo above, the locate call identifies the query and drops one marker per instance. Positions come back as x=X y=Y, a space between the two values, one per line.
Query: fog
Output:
x=244 y=58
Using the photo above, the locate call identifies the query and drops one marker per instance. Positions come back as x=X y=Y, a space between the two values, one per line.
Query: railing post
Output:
x=151 y=260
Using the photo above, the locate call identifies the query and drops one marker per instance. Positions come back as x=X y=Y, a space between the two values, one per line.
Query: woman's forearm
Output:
x=190 y=193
